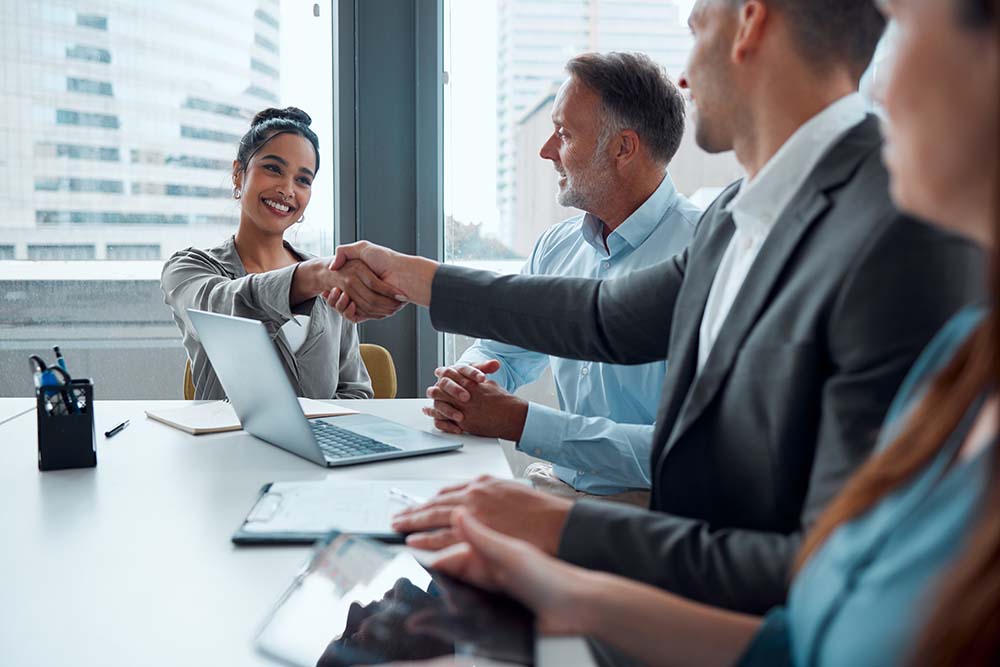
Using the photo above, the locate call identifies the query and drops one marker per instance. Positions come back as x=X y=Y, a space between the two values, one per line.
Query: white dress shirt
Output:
x=761 y=201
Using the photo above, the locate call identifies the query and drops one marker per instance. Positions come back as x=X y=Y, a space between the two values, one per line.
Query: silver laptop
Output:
x=250 y=371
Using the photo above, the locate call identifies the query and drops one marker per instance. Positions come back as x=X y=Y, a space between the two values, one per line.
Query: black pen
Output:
x=116 y=430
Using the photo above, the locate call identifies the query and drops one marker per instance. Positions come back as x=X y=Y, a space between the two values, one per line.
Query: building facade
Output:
x=121 y=119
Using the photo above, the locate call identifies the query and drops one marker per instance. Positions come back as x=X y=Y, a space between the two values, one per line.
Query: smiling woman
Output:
x=257 y=274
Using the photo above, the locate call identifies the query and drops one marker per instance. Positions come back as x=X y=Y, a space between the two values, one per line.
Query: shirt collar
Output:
x=760 y=201
x=637 y=227
x=229 y=256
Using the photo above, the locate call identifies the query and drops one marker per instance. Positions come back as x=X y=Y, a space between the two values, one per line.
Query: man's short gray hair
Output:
x=637 y=95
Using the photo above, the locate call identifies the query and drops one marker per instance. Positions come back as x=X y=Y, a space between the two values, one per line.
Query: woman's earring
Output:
x=236 y=193
x=301 y=218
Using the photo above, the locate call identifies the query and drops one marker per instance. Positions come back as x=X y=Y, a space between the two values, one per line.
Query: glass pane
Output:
x=119 y=123
x=505 y=61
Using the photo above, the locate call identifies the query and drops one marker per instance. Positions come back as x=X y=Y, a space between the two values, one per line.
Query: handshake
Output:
x=364 y=281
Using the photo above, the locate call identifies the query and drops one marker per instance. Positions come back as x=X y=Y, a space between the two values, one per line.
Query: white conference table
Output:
x=130 y=563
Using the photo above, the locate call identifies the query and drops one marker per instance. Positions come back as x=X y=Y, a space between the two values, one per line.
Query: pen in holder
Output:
x=66 y=425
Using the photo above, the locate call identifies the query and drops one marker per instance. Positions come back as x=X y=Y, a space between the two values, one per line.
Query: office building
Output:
x=120 y=122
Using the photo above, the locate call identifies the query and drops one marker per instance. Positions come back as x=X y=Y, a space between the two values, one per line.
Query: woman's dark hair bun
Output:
x=288 y=113
x=270 y=123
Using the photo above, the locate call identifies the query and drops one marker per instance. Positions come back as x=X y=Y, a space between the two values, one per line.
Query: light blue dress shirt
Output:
x=600 y=441
x=865 y=594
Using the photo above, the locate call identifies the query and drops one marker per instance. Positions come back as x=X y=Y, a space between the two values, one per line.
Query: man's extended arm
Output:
x=622 y=321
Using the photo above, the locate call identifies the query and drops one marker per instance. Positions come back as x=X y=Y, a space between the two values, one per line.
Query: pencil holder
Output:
x=66 y=426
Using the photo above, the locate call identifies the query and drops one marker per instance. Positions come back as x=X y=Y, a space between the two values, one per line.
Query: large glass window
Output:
x=118 y=131
x=505 y=61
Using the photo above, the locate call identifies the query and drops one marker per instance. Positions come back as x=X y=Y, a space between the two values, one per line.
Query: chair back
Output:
x=188 y=382
x=381 y=369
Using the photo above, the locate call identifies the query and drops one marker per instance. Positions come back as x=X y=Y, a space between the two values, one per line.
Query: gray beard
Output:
x=587 y=188
x=572 y=198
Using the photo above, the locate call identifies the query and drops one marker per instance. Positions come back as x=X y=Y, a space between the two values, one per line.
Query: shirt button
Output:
x=605 y=265
x=538 y=451
x=585 y=371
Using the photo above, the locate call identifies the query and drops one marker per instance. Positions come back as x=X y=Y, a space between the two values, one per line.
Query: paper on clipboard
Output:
x=305 y=511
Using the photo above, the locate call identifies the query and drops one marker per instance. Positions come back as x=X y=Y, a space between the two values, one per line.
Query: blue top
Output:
x=601 y=439
x=865 y=594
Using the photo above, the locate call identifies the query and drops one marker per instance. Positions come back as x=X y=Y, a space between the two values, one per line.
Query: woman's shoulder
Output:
x=214 y=260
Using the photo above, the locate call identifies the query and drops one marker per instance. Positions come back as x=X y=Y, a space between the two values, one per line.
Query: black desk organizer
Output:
x=66 y=438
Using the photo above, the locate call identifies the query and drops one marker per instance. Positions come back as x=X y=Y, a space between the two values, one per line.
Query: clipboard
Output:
x=306 y=511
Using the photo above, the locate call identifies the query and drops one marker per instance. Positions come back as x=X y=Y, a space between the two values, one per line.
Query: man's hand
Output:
x=371 y=293
x=314 y=278
x=466 y=402
x=408 y=278
x=505 y=506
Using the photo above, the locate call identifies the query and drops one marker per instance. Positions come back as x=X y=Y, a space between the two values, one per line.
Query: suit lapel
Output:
x=690 y=307
x=808 y=206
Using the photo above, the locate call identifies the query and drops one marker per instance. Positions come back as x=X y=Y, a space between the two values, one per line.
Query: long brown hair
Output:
x=964 y=627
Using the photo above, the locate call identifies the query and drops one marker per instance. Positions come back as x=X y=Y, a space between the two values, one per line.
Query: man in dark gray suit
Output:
x=789 y=322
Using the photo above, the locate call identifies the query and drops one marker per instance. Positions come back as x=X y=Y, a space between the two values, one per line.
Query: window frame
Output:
x=389 y=66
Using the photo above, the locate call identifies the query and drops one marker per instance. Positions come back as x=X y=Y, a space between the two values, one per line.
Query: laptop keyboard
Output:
x=339 y=443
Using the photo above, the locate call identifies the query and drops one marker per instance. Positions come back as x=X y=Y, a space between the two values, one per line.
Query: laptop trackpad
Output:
x=385 y=431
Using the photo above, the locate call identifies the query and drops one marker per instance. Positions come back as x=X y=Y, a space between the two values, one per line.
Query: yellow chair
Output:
x=188 y=382
x=376 y=358
x=381 y=369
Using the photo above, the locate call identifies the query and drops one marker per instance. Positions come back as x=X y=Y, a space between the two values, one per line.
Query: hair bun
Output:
x=288 y=113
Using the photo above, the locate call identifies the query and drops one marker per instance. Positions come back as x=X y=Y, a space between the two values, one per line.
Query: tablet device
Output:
x=358 y=601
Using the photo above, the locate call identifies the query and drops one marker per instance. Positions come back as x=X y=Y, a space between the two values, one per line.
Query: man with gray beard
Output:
x=617 y=122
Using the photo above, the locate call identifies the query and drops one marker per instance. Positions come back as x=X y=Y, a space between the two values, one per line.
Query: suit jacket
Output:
x=842 y=297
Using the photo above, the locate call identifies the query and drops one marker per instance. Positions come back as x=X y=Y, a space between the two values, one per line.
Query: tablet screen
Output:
x=360 y=602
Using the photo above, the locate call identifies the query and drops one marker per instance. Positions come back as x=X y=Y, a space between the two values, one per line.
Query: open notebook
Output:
x=219 y=416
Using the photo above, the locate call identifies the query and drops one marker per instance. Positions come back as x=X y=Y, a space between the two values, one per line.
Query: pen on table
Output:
x=408 y=498
x=116 y=430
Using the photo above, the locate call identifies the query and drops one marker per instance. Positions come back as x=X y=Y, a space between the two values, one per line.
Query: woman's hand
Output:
x=410 y=277
x=557 y=592
x=370 y=293
x=652 y=626
x=314 y=278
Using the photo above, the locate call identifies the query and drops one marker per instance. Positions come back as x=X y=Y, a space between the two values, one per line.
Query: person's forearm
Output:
x=659 y=628
x=415 y=275
x=306 y=284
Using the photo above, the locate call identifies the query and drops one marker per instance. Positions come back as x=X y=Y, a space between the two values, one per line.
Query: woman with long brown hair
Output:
x=904 y=566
